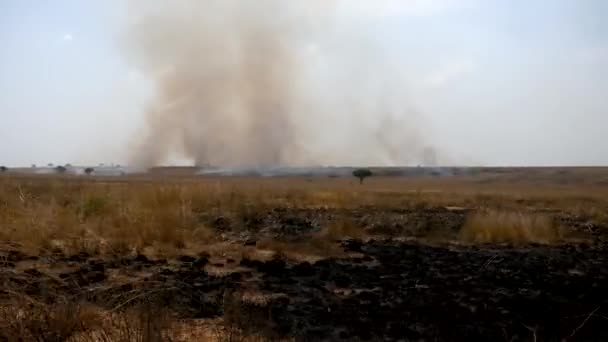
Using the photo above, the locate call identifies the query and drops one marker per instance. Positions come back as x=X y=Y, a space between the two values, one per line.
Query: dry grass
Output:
x=33 y=321
x=82 y=322
x=124 y=215
x=107 y=218
x=77 y=322
x=514 y=227
x=133 y=215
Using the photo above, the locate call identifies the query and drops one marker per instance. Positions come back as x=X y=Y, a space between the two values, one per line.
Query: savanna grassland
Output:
x=492 y=254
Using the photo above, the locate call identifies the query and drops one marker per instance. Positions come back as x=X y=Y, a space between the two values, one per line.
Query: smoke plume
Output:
x=269 y=83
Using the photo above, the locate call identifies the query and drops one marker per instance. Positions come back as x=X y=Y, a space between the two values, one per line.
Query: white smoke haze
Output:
x=271 y=83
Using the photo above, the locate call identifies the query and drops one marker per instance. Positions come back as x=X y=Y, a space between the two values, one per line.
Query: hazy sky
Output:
x=495 y=82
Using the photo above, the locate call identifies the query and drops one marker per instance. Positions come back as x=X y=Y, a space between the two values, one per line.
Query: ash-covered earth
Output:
x=389 y=289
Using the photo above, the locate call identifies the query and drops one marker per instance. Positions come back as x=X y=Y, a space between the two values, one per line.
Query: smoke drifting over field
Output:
x=267 y=83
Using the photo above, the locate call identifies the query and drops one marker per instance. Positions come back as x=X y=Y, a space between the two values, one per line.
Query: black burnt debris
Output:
x=393 y=291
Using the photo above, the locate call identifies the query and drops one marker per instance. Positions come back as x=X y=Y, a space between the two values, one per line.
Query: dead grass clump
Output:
x=72 y=321
x=144 y=323
x=516 y=227
x=596 y=214
x=33 y=321
x=79 y=244
x=82 y=322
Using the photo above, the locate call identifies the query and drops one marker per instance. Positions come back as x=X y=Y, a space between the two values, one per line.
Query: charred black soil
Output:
x=381 y=289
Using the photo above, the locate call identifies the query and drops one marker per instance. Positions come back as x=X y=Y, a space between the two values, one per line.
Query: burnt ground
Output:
x=384 y=290
x=294 y=224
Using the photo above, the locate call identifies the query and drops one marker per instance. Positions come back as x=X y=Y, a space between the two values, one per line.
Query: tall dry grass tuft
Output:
x=34 y=321
x=514 y=227
x=144 y=323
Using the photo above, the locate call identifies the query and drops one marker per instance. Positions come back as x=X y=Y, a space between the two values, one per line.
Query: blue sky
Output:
x=496 y=82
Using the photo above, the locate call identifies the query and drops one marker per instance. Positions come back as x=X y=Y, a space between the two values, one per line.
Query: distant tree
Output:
x=89 y=170
x=50 y=165
x=60 y=169
x=3 y=168
x=362 y=174
x=68 y=165
x=33 y=166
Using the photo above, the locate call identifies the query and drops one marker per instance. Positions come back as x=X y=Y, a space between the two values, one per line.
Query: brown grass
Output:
x=170 y=217
x=515 y=227
x=71 y=321
x=126 y=215
x=33 y=321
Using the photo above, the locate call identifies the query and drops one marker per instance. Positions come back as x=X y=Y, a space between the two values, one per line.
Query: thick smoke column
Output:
x=266 y=83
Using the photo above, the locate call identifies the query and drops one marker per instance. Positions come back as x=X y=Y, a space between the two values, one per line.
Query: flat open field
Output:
x=488 y=254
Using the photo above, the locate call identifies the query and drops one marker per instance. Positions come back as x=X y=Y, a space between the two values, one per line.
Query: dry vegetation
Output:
x=131 y=216
x=107 y=216
x=82 y=322
x=493 y=226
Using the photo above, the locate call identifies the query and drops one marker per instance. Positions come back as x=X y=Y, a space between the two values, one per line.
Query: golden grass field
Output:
x=118 y=215
x=169 y=217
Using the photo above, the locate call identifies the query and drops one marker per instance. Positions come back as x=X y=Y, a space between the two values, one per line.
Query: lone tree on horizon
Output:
x=89 y=170
x=3 y=169
x=60 y=169
x=362 y=174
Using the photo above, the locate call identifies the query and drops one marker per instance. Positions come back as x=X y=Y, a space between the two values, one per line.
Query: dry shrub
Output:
x=516 y=227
